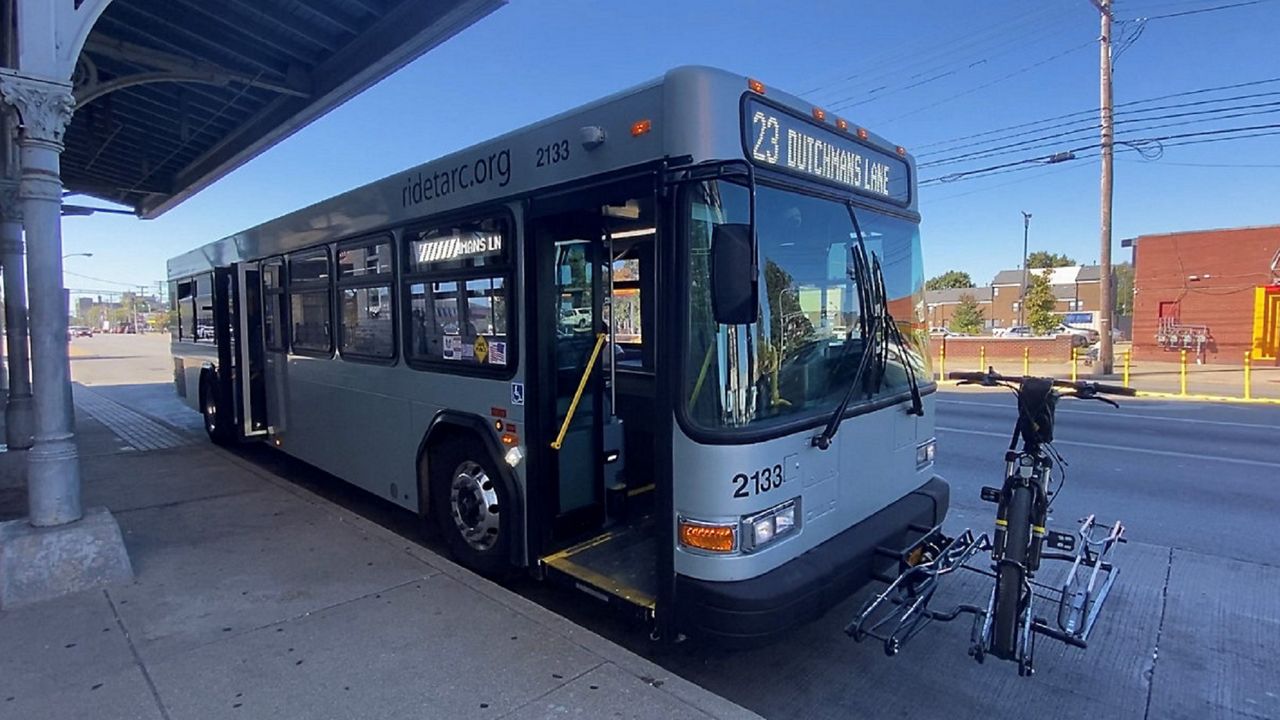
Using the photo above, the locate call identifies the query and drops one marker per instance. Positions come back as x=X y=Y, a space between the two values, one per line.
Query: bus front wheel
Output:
x=470 y=505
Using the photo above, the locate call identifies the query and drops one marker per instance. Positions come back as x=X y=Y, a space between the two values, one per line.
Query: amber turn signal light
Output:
x=706 y=536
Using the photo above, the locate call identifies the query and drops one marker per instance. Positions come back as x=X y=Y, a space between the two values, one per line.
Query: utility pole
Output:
x=1022 y=297
x=1104 y=365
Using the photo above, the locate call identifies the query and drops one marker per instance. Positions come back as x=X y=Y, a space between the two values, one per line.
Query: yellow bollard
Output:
x=942 y=361
x=982 y=358
x=1074 y=364
x=1248 y=372
x=1126 y=369
x=1026 y=361
x=1182 y=374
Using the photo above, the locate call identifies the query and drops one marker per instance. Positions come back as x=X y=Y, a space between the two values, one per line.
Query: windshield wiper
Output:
x=869 y=277
x=871 y=328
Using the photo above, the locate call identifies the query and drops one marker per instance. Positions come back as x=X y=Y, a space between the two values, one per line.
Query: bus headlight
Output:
x=763 y=528
x=925 y=453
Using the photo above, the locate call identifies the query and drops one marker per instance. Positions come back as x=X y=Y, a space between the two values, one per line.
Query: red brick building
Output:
x=1215 y=293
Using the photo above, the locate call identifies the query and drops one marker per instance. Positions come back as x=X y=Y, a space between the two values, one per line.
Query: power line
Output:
x=1207 y=135
x=112 y=282
x=1224 y=113
x=1205 y=10
x=893 y=63
x=1170 y=96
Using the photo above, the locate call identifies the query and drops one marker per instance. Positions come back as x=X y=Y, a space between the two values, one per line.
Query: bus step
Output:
x=617 y=568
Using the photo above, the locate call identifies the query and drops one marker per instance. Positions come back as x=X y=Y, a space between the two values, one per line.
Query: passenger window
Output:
x=309 y=303
x=203 y=329
x=366 y=325
x=457 y=292
x=186 y=311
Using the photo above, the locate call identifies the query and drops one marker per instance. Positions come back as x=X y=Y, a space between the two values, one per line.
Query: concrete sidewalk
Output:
x=255 y=598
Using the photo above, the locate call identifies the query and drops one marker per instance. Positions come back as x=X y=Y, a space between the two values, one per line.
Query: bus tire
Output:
x=1009 y=575
x=470 y=504
x=216 y=424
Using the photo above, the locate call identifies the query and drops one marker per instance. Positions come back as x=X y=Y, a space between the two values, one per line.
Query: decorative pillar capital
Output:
x=44 y=106
x=10 y=203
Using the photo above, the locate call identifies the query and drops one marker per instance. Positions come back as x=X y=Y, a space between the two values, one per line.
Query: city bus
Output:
x=628 y=349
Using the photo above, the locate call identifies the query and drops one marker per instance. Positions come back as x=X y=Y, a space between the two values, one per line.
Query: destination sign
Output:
x=781 y=140
x=456 y=247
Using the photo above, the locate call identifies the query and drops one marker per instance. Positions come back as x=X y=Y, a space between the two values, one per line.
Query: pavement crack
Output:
x=515 y=712
x=1155 y=652
x=137 y=658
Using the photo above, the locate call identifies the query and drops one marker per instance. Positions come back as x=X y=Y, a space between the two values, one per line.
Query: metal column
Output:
x=53 y=463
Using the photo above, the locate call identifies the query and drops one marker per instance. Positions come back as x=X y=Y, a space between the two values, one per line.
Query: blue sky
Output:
x=917 y=71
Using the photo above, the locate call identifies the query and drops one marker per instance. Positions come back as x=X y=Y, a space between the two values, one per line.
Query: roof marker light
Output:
x=902 y=151
x=756 y=86
x=862 y=133
x=819 y=114
x=640 y=127
x=842 y=124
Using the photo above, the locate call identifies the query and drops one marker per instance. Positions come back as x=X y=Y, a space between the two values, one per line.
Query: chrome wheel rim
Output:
x=473 y=502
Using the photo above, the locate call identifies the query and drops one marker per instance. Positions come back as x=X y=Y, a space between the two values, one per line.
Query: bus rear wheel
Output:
x=470 y=506
x=215 y=422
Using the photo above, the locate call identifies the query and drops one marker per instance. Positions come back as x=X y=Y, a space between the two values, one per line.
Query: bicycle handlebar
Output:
x=1086 y=386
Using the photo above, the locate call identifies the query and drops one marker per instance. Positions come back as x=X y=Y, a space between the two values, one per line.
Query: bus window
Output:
x=456 y=286
x=366 y=329
x=203 y=327
x=186 y=311
x=309 y=303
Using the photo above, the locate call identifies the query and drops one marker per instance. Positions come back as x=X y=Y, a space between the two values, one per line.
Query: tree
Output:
x=1123 y=276
x=1045 y=259
x=949 y=279
x=967 y=319
x=1039 y=303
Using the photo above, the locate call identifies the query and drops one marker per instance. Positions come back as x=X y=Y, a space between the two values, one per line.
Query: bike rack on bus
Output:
x=898 y=613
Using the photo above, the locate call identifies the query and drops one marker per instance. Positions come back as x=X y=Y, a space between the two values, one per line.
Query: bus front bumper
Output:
x=754 y=611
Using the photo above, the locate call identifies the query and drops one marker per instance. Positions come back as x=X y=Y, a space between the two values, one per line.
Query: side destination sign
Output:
x=778 y=139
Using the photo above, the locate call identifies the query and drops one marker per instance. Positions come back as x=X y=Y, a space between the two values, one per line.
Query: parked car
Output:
x=80 y=331
x=1090 y=335
x=1012 y=331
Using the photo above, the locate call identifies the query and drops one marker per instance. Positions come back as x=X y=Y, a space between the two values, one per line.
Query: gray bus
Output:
x=631 y=349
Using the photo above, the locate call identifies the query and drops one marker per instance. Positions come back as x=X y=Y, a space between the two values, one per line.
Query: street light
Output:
x=85 y=254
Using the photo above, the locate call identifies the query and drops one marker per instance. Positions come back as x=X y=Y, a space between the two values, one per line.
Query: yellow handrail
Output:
x=582 y=387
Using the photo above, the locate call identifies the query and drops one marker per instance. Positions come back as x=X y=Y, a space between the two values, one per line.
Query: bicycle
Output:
x=1006 y=627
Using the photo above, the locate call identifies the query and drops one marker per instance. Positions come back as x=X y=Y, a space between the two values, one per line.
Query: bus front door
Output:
x=250 y=352
x=574 y=304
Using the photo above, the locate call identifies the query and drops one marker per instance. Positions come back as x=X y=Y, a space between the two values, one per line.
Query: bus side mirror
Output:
x=734 y=286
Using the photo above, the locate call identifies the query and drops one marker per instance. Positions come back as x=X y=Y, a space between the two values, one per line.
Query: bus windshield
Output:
x=797 y=360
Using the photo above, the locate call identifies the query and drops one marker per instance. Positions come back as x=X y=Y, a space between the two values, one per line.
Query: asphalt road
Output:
x=1192 y=629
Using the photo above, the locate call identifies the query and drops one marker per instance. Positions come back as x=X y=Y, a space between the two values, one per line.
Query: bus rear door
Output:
x=250 y=351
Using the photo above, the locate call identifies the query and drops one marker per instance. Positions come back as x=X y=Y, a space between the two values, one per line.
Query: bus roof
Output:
x=642 y=124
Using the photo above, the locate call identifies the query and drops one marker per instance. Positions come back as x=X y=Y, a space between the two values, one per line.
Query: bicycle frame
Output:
x=898 y=613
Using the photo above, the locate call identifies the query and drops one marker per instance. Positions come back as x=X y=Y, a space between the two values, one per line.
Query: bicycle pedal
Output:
x=1066 y=542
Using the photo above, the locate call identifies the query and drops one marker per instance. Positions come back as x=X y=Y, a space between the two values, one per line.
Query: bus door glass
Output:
x=575 y=304
x=251 y=350
x=275 y=324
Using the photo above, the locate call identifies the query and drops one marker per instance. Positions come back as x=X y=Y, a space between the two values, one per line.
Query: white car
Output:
x=1089 y=335
x=1012 y=331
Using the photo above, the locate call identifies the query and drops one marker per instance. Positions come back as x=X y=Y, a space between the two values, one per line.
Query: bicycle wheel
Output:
x=1009 y=574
